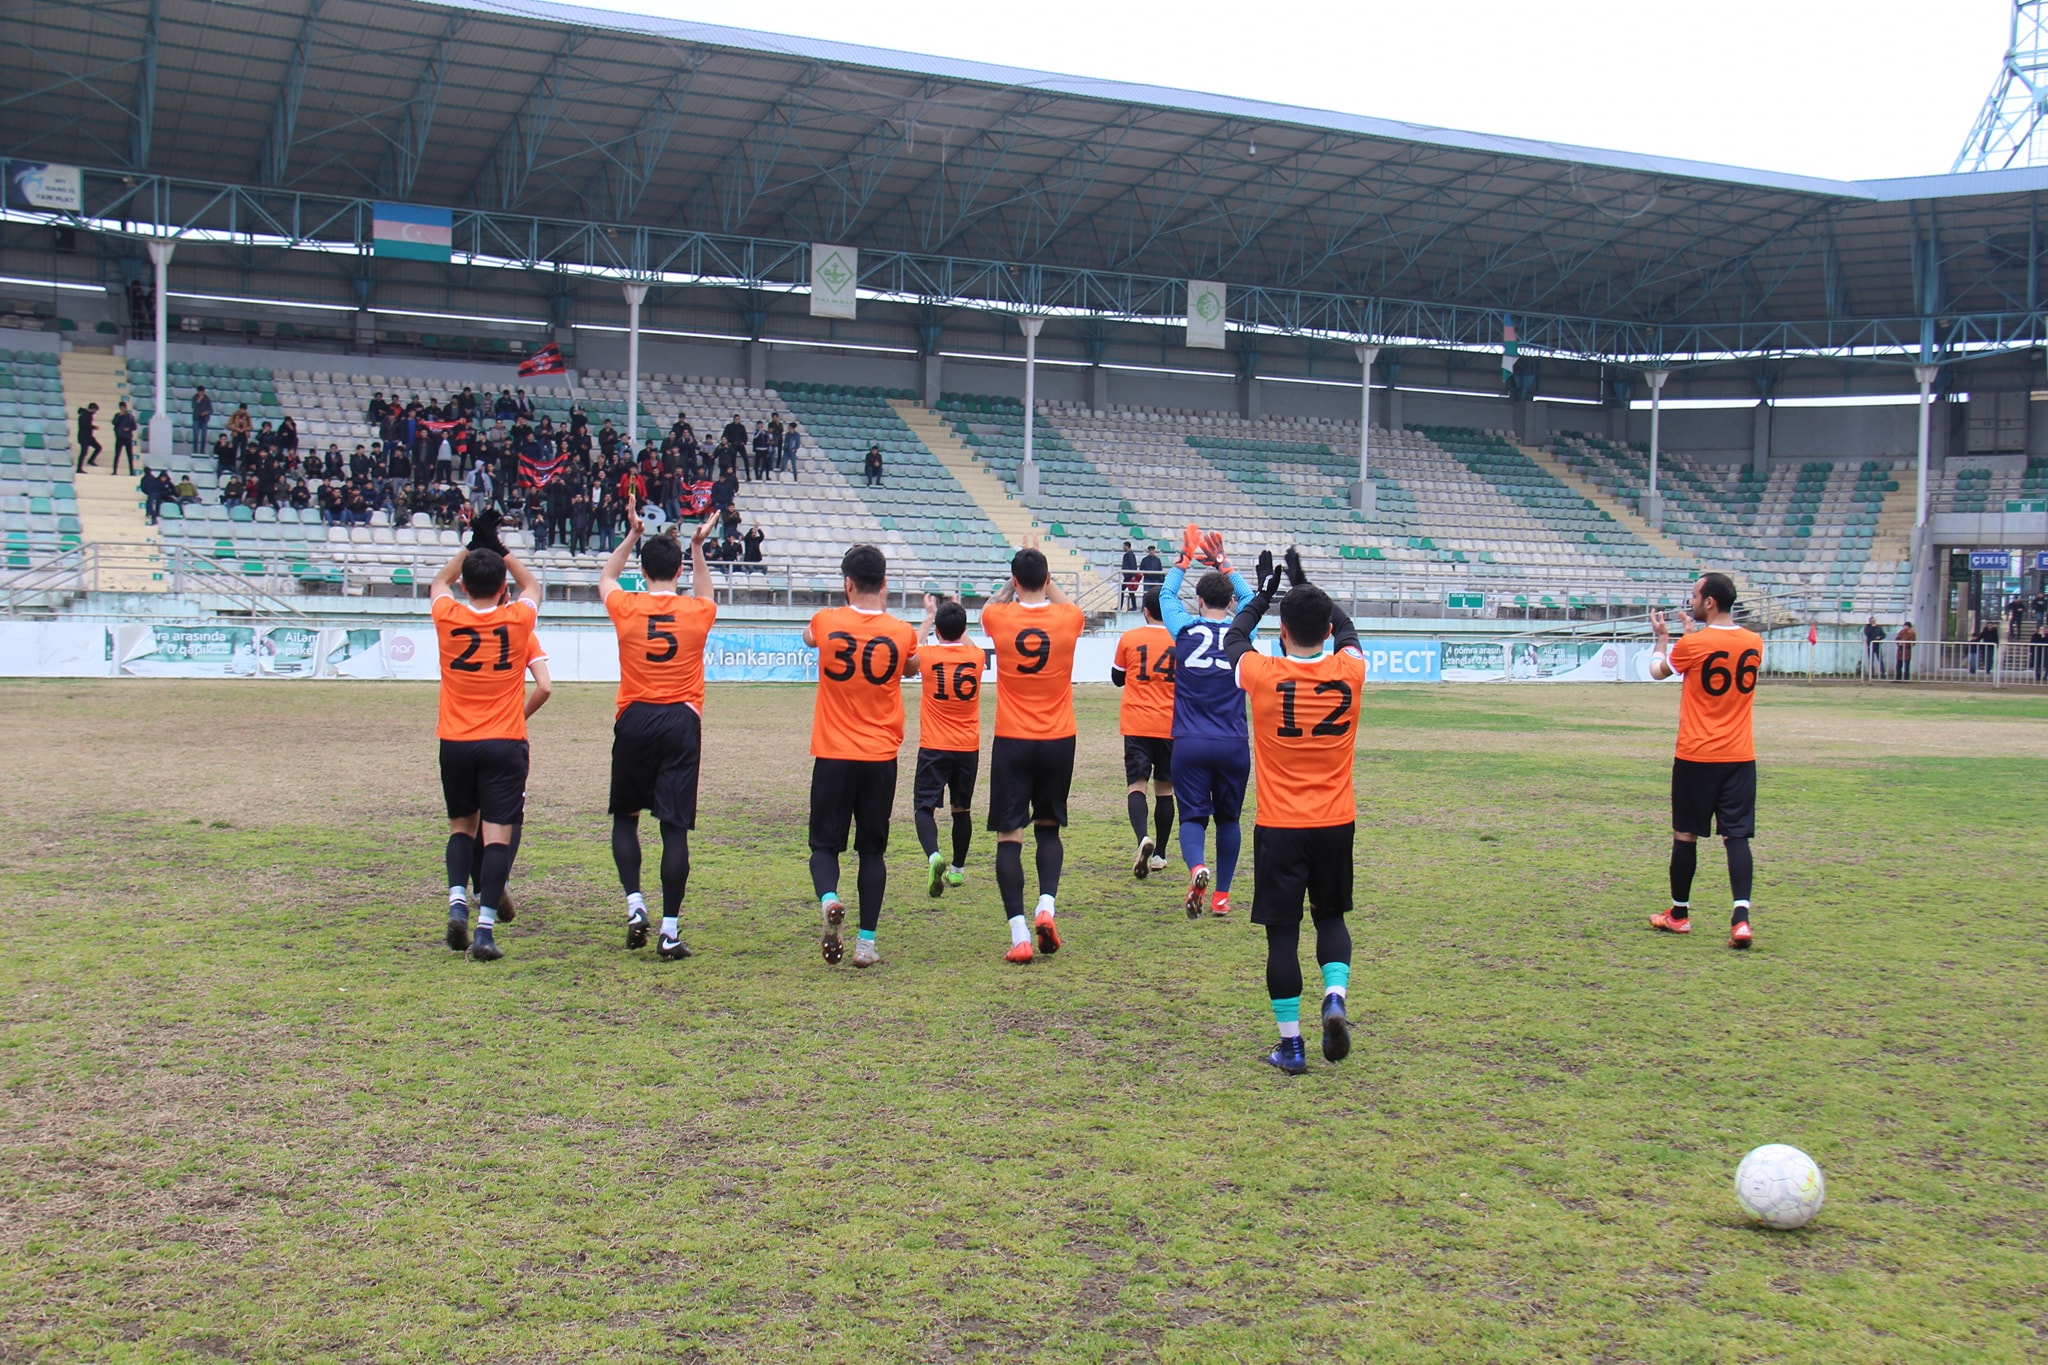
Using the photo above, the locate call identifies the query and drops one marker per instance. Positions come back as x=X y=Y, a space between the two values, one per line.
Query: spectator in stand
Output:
x=1985 y=651
x=2040 y=605
x=735 y=433
x=379 y=411
x=155 y=490
x=610 y=514
x=87 y=440
x=202 y=418
x=792 y=446
x=288 y=434
x=330 y=503
x=302 y=496
x=124 y=438
x=1873 y=649
x=872 y=467
x=579 y=524
x=358 y=508
x=240 y=428
x=1153 y=573
x=231 y=491
x=223 y=454
x=2037 y=653
x=187 y=491
x=765 y=442
x=2015 y=616
x=750 y=552
x=724 y=491
x=1129 y=600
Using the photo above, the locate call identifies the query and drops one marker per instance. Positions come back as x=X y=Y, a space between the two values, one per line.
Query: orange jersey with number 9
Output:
x=861 y=659
x=1146 y=656
x=1304 y=724
x=949 y=706
x=661 y=646
x=483 y=668
x=1034 y=666
x=1717 y=668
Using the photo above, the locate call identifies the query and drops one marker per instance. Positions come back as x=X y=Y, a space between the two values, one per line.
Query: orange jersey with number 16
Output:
x=1717 y=668
x=1034 y=666
x=661 y=646
x=1146 y=656
x=861 y=659
x=1304 y=723
x=483 y=668
x=949 y=706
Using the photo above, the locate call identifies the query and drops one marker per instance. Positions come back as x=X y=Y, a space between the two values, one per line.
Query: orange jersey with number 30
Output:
x=861 y=659
x=1034 y=666
x=1304 y=723
x=661 y=646
x=1146 y=656
x=949 y=705
x=483 y=668
x=1717 y=668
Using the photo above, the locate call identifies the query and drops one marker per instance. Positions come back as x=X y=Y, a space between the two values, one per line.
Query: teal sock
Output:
x=1336 y=977
x=868 y=934
x=1287 y=1013
x=829 y=899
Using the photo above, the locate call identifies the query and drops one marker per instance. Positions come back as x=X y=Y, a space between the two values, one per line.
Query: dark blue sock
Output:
x=1229 y=838
x=1191 y=836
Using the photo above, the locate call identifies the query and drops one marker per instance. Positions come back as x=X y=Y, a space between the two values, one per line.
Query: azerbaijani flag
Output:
x=412 y=233
x=1509 y=347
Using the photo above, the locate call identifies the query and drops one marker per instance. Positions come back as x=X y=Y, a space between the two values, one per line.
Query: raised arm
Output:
x=1237 y=639
x=523 y=581
x=1343 y=634
x=444 y=581
x=700 y=567
x=608 y=576
x=1173 y=613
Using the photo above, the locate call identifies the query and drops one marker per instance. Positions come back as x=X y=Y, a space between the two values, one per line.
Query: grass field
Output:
x=255 y=1111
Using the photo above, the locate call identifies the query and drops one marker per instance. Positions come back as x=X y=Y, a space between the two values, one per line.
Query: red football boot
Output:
x=1664 y=920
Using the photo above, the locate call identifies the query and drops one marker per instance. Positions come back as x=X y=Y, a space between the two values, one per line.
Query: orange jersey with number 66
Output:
x=1717 y=668
x=1304 y=723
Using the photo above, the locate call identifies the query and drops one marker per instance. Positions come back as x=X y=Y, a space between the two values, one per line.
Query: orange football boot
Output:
x=1048 y=933
x=1219 y=904
x=1663 y=920
x=1739 y=935
x=1019 y=953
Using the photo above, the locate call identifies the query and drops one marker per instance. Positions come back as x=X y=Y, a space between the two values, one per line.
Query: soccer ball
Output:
x=1779 y=1186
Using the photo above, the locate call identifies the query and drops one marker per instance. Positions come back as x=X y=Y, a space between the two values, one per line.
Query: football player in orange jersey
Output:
x=486 y=650
x=948 y=738
x=1143 y=668
x=658 y=732
x=1713 y=777
x=1034 y=628
x=1304 y=709
x=856 y=730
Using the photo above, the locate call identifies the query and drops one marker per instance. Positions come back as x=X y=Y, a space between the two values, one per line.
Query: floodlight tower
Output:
x=2003 y=136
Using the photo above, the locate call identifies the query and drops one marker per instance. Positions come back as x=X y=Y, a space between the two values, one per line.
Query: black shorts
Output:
x=487 y=775
x=855 y=792
x=1147 y=758
x=1028 y=781
x=656 y=749
x=1289 y=864
x=1704 y=795
x=941 y=770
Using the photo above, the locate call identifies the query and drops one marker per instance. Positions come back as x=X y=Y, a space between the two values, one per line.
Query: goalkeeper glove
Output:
x=1212 y=552
x=1296 y=575
x=483 y=531
x=1190 y=545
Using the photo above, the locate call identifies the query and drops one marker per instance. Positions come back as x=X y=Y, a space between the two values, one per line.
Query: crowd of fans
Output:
x=566 y=483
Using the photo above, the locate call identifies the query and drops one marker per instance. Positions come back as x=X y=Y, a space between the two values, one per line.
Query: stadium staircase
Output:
x=110 y=507
x=1623 y=513
x=1893 y=543
x=1000 y=505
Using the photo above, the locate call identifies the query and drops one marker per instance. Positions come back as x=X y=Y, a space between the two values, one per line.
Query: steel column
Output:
x=1027 y=472
x=1653 y=503
x=1365 y=493
x=636 y=294
x=160 y=250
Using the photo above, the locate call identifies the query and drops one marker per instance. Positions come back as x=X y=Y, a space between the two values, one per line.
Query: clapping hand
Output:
x=1296 y=575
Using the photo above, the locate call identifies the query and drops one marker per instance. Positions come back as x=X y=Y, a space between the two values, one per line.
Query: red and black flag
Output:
x=547 y=360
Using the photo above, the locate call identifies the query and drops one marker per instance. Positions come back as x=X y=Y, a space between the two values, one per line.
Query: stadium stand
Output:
x=38 y=504
x=1979 y=489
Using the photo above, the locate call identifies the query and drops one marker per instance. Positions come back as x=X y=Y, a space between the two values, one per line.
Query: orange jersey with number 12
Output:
x=661 y=646
x=1304 y=723
x=949 y=708
x=1034 y=666
x=861 y=659
x=1717 y=668
x=1146 y=656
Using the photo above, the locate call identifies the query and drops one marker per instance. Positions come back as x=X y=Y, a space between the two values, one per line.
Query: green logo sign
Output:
x=834 y=273
x=1206 y=306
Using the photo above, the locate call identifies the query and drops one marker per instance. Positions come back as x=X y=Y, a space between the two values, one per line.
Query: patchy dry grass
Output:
x=253 y=1111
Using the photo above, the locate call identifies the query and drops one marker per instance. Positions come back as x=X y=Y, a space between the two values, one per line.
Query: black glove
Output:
x=483 y=531
x=1265 y=567
x=1296 y=575
x=1269 y=575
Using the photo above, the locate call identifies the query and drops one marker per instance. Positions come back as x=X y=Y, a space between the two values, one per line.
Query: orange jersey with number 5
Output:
x=483 y=668
x=1146 y=655
x=861 y=659
x=1304 y=723
x=1717 y=668
x=661 y=646
x=1034 y=666
x=949 y=705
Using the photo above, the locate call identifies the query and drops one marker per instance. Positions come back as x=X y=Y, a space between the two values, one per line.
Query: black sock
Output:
x=1283 y=961
x=626 y=851
x=1010 y=877
x=462 y=856
x=490 y=887
x=675 y=868
x=871 y=879
x=1163 y=822
x=476 y=860
x=927 y=823
x=1140 y=816
x=518 y=830
x=1741 y=871
x=963 y=835
x=1333 y=941
x=1685 y=856
x=1052 y=857
x=824 y=871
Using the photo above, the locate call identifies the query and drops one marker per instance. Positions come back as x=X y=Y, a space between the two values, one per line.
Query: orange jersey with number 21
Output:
x=483 y=668
x=1717 y=668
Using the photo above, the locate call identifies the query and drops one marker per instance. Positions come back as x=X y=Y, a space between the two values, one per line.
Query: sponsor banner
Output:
x=1205 y=314
x=835 y=273
x=759 y=656
x=52 y=187
x=1403 y=661
x=410 y=232
x=217 y=651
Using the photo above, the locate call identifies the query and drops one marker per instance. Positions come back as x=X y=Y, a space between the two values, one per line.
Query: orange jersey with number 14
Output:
x=1717 y=668
x=949 y=706
x=661 y=646
x=861 y=659
x=1146 y=656
x=1304 y=723
x=1034 y=666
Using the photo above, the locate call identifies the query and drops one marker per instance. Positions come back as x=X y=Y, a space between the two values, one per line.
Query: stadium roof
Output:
x=557 y=111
